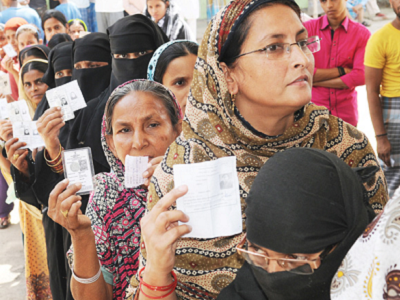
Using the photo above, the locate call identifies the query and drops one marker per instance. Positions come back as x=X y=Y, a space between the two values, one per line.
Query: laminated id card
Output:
x=78 y=168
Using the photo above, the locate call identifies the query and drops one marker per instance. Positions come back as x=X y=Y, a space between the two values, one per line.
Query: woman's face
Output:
x=282 y=85
x=34 y=87
x=141 y=127
x=178 y=77
x=10 y=36
x=86 y=64
x=75 y=30
x=63 y=73
x=3 y=42
x=157 y=9
x=52 y=26
x=26 y=39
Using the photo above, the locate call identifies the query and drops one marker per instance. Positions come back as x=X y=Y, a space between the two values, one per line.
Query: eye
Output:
x=153 y=125
x=120 y=56
x=274 y=48
x=180 y=82
x=303 y=43
x=141 y=53
x=124 y=130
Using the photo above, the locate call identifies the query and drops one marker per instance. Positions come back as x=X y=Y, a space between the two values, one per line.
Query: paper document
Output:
x=78 y=168
x=18 y=111
x=10 y=51
x=3 y=109
x=134 y=169
x=5 y=87
x=27 y=132
x=213 y=200
x=69 y=97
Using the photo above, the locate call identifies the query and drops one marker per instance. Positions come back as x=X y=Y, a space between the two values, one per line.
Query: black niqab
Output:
x=42 y=48
x=60 y=58
x=93 y=47
x=134 y=33
x=302 y=201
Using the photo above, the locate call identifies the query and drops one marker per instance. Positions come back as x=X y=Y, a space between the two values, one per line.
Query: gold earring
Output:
x=233 y=98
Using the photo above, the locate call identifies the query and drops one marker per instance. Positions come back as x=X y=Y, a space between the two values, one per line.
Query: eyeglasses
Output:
x=293 y=265
x=279 y=51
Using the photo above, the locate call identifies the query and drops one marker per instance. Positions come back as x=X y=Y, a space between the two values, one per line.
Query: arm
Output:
x=373 y=79
x=336 y=83
x=160 y=231
x=86 y=262
x=325 y=74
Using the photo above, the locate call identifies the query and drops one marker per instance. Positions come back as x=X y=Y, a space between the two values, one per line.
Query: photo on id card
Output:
x=78 y=168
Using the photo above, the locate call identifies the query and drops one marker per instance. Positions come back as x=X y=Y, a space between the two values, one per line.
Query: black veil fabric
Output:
x=93 y=47
x=302 y=201
x=134 y=33
x=42 y=48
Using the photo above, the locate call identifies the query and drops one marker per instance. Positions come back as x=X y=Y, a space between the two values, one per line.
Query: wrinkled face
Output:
x=283 y=85
x=141 y=127
x=34 y=87
x=74 y=31
x=86 y=64
x=63 y=73
x=334 y=8
x=52 y=26
x=26 y=39
x=178 y=77
x=157 y=9
x=11 y=39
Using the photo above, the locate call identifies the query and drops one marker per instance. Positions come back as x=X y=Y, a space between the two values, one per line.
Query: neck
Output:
x=14 y=4
x=396 y=23
x=63 y=1
x=267 y=120
x=336 y=21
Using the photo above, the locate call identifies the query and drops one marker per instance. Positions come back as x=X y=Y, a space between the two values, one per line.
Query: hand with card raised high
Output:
x=18 y=156
x=6 y=130
x=49 y=125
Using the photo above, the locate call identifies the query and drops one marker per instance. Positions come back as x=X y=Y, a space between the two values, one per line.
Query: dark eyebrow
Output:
x=281 y=35
x=301 y=31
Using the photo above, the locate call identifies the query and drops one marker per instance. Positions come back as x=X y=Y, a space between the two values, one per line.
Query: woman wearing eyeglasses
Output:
x=304 y=212
x=250 y=98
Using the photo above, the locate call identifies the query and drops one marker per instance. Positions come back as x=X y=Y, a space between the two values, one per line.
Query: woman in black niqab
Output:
x=93 y=48
x=302 y=201
x=134 y=34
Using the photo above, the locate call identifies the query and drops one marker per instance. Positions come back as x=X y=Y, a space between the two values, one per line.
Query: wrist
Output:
x=81 y=235
x=157 y=277
x=382 y=135
x=53 y=151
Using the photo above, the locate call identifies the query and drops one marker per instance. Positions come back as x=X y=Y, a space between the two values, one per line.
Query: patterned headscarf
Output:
x=156 y=56
x=211 y=131
x=115 y=212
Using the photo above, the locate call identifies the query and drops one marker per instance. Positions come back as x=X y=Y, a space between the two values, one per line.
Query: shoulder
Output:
x=359 y=30
x=313 y=24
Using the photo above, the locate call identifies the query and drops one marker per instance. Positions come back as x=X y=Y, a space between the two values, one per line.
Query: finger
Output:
x=75 y=209
x=56 y=129
x=53 y=124
x=16 y=146
x=70 y=191
x=169 y=199
x=156 y=160
x=21 y=159
x=165 y=219
x=10 y=142
x=59 y=188
x=66 y=204
x=172 y=235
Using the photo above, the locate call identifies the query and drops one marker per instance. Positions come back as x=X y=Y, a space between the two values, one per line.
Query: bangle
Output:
x=87 y=280
x=52 y=162
x=167 y=288
x=380 y=135
x=341 y=71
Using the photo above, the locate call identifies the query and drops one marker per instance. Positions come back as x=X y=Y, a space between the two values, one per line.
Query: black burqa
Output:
x=94 y=47
x=134 y=33
x=39 y=51
x=302 y=201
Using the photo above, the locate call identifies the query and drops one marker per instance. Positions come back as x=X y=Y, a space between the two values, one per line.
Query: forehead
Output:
x=32 y=75
x=181 y=66
x=273 y=20
x=137 y=105
x=52 y=22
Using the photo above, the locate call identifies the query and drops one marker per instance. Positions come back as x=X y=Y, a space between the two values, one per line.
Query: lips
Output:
x=303 y=78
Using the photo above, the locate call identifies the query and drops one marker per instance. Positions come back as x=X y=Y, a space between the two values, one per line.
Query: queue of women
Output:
x=317 y=221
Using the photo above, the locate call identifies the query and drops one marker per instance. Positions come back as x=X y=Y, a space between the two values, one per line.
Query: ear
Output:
x=167 y=3
x=230 y=79
x=178 y=128
x=40 y=41
x=110 y=143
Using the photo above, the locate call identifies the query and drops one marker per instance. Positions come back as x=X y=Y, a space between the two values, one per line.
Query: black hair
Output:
x=172 y=52
x=147 y=86
x=79 y=22
x=34 y=65
x=239 y=36
x=37 y=53
x=53 y=13
x=59 y=38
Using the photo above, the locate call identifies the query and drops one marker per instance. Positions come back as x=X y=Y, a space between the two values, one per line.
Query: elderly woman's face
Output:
x=283 y=84
x=141 y=127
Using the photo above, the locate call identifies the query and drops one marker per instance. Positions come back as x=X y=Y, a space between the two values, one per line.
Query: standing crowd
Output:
x=319 y=210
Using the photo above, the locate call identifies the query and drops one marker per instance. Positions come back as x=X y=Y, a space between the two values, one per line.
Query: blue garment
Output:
x=70 y=11
x=24 y=12
x=351 y=3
